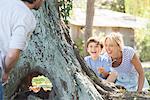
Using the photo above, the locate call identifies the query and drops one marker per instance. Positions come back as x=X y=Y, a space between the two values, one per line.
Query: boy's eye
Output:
x=96 y=46
x=91 y=46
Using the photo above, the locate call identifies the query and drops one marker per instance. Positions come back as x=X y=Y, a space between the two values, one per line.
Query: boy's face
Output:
x=94 y=50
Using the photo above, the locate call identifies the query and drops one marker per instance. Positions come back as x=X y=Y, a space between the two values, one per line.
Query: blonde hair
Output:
x=115 y=37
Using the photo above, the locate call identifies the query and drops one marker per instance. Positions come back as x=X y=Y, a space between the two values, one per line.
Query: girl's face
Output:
x=111 y=48
x=94 y=50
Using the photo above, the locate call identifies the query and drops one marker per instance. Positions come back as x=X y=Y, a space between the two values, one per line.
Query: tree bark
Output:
x=89 y=20
x=52 y=53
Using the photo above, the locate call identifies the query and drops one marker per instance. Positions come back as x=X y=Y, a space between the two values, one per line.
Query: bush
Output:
x=145 y=48
x=147 y=75
x=80 y=45
x=143 y=44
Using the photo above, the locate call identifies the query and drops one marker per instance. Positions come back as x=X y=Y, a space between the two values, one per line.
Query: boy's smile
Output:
x=94 y=50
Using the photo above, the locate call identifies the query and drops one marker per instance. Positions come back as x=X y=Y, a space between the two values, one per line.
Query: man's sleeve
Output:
x=21 y=29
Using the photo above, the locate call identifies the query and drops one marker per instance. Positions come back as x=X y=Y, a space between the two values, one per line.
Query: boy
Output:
x=98 y=63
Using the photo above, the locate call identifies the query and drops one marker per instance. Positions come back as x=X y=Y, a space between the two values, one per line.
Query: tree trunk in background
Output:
x=89 y=20
x=51 y=52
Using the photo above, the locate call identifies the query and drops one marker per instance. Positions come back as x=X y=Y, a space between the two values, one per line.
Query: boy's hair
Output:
x=95 y=40
x=29 y=1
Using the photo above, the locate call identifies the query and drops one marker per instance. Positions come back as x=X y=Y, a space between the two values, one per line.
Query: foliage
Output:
x=116 y=5
x=142 y=36
x=80 y=45
x=41 y=81
x=147 y=75
x=65 y=6
x=138 y=7
x=79 y=4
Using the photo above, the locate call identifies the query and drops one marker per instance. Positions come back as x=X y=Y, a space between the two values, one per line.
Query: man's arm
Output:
x=11 y=59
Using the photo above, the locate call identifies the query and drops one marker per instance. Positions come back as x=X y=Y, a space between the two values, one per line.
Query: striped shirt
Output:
x=127 y=75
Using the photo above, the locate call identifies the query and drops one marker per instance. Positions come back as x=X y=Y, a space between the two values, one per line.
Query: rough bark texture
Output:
x=52 y=53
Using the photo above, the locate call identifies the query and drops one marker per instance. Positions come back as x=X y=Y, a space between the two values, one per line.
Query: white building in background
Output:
x=106 y=21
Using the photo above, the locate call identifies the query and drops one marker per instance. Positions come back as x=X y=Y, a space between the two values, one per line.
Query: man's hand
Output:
x=11 y=59
x=5 y=78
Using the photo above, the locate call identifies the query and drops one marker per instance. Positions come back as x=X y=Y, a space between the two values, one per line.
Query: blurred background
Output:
x=131 y=18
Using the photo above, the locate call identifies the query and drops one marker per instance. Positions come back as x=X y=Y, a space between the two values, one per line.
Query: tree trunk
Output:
x=51 y=53
x=89 y=20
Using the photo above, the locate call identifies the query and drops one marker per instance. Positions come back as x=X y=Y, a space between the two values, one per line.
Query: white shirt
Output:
x=16 y=22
